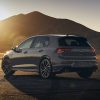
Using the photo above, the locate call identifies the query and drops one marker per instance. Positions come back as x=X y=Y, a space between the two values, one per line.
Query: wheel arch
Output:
x=5 y=57
x=44 y=57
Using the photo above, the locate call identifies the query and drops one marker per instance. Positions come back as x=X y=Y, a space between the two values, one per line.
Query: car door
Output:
x=39 y=48
x=23 y=57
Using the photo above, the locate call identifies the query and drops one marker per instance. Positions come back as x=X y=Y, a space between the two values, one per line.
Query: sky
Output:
x=86 y=12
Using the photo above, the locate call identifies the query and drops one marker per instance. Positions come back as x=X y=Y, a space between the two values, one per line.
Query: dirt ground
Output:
x=67 y=86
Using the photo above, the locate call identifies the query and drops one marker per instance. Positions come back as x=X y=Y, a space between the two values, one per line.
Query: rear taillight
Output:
x=61 y=50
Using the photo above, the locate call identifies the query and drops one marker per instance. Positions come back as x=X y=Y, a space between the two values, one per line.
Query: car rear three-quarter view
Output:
x=50 y=55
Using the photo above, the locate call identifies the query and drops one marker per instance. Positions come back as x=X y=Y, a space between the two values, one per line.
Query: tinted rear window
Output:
x=73 y=41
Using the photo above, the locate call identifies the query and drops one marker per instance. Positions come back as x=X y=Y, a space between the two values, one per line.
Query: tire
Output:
x=6 y=67
x=45 y=68
x=85 y=73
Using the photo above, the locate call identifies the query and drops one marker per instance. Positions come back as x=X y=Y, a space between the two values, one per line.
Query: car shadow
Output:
x=56 y=88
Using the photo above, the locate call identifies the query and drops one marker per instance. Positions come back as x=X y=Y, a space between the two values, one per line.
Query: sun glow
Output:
x=3 y=13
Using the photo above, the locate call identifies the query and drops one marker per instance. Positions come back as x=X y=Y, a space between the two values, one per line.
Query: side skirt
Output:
x=29 y=69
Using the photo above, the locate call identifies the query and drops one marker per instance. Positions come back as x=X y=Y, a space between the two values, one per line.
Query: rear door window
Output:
x=41 y=42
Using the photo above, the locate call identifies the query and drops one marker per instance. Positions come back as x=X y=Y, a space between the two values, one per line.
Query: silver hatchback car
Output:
x=52 y=54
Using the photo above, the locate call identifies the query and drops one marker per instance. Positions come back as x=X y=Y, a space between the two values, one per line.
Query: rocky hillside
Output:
x=18 y=27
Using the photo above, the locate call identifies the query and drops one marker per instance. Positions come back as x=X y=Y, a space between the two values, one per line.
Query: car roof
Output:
x=59 y=35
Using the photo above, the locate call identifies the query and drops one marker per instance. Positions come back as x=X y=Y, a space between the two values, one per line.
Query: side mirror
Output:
x=16 y=49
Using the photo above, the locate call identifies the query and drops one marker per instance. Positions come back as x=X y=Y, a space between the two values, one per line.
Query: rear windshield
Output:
x=73 y=41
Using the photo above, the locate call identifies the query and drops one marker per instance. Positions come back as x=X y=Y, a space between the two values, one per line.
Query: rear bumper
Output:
x=67 y=68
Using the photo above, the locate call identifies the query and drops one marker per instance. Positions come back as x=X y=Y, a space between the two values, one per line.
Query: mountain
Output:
x=18 y=27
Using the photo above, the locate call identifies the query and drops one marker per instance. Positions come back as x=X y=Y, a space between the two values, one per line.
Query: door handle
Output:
x=40 y=50
x=25 y=52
